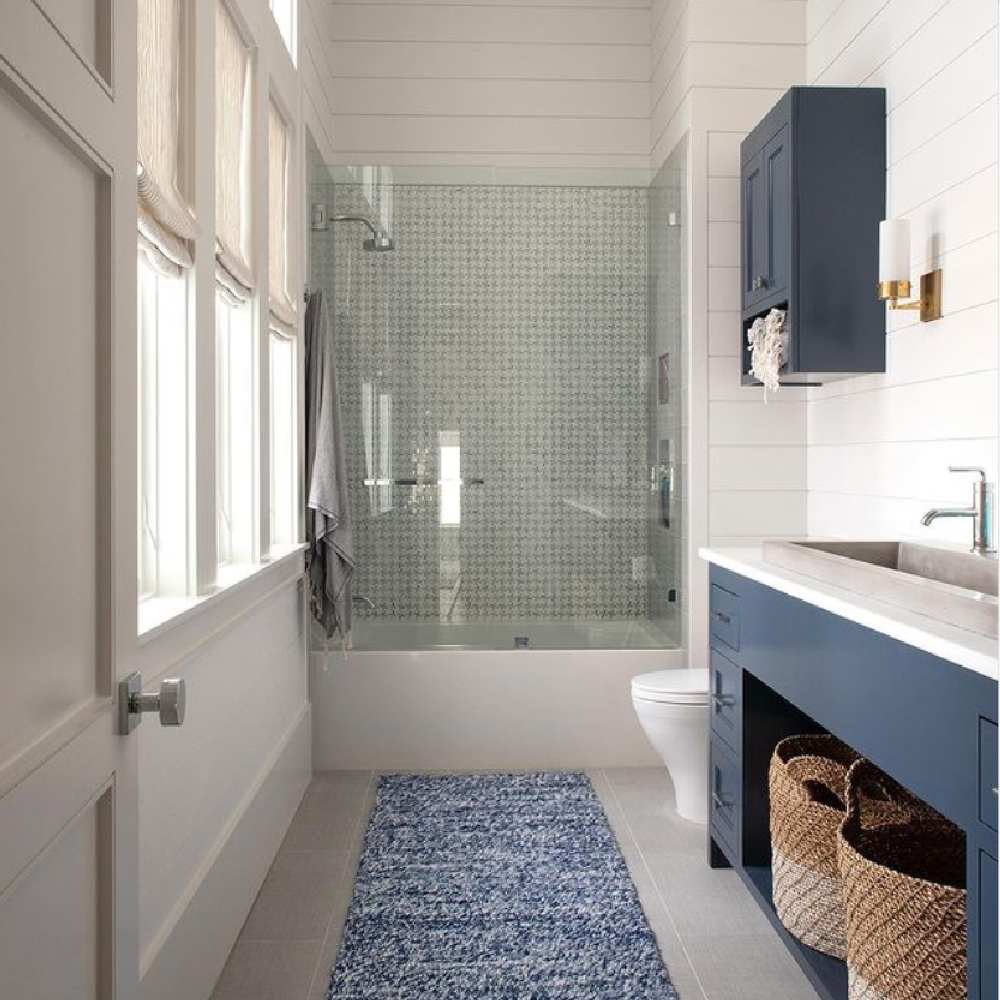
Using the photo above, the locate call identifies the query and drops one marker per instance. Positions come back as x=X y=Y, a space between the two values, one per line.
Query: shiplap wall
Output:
x=712 y=60
x=511 y=82
x=716 y=67
x=316 y=72
x=879 y=446
x=743 y=55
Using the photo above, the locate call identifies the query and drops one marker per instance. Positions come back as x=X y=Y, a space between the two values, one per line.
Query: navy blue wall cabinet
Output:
x=932 y=725
x=813 y=194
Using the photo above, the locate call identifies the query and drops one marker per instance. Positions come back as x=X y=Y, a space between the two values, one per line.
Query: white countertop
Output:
x=974 y=652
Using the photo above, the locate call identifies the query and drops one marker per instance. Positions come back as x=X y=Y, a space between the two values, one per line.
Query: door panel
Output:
x=68 y=823
x=754 y=231
x=85 y=25
x=48 y=409
x=53 y=921
x=777 y=166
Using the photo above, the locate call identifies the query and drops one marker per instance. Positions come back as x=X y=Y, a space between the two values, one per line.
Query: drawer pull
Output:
x=720 y=617
x=728 y=701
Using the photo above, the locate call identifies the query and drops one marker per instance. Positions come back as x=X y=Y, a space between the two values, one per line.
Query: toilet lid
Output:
x=675 y=687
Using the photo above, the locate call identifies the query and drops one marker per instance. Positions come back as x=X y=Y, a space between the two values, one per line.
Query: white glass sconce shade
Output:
x=894 y=250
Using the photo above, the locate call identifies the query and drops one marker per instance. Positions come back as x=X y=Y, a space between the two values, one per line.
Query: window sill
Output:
x=160 y=614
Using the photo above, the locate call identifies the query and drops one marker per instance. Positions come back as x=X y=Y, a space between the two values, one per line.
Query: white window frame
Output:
x=284 y=486
x=236 y=432
x=163 y=433
x=180 y=523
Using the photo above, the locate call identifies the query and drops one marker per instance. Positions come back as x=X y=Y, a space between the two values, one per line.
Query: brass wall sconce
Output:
x=894 y=273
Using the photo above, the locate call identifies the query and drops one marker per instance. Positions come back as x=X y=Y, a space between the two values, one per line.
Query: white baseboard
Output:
x=190 y=956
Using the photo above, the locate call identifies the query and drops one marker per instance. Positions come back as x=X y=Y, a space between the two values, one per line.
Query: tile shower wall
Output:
x=509 y=324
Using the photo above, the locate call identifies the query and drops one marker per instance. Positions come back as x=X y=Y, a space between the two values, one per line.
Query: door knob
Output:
x=170 y=702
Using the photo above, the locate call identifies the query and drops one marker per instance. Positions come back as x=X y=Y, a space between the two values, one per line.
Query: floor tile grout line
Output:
x=341 y=887
x=653 y=882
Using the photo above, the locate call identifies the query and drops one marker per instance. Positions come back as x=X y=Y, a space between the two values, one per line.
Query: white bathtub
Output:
x=503 y=634
x=480 y=709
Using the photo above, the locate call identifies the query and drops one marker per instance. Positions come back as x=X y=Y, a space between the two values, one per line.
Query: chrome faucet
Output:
x=982 y=511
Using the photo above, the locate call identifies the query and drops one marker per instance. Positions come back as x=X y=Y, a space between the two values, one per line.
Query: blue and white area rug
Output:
x=494 y=887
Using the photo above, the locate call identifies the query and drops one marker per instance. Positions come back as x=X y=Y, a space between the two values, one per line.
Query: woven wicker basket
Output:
x=807 y=778
x=904 y=899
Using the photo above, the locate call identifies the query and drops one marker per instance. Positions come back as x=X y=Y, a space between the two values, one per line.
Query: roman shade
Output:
x=166 y=220
x=281 y=203
x=232 y=156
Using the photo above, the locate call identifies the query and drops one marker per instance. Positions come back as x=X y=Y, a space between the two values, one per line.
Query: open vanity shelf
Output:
x=781 y=667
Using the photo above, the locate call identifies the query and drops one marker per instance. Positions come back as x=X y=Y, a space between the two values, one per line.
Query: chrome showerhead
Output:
x=379 y=241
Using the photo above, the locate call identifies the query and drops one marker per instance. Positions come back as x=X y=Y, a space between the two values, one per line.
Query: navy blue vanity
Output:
x=781 y=666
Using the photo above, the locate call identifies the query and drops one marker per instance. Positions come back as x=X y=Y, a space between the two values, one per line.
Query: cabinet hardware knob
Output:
x=720 y=617
x=758 y=283
x=720 y=802
x=723 y=700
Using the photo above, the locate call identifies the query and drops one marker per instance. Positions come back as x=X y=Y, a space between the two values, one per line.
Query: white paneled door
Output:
x=68 y=824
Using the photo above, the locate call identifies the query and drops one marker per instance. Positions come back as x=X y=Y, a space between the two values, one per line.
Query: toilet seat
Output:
x=672 y=687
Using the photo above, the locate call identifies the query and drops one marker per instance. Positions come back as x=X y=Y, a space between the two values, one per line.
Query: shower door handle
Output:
x=419 y=482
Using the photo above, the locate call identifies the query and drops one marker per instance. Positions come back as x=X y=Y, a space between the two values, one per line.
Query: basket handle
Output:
x=860 y=772
x=864 y=777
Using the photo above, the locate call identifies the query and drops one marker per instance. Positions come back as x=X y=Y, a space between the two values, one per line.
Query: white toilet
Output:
x=672 y=706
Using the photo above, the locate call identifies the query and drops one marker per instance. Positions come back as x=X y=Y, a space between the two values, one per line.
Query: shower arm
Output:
x=379 y=240
x=364 y=220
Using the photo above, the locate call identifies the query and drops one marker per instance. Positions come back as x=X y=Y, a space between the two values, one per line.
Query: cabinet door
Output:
x=778 y=202
x=754 y=251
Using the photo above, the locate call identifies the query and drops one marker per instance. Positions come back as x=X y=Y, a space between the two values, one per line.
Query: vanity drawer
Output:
x=724 y=796
x=724 y=617
x=725 y=687
x=988 y=773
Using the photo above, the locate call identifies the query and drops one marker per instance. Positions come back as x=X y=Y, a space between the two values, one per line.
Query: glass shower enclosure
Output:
x=510 y=410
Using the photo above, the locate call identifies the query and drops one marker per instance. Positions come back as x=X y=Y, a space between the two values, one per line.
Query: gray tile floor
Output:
x=717 y=944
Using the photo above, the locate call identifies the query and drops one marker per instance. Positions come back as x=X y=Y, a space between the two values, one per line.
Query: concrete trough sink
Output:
x=958 y=588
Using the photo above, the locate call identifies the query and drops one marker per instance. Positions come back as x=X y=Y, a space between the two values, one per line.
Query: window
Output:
x=450 y=483
x=235 y=355
x=235 y=437
x=281 y=205
x=166 y=224
x=163 y=434
x=232 y=156
x=283 y=313
x=376 y=428
x=166 y=219
x=285 y=12
x=284 y=441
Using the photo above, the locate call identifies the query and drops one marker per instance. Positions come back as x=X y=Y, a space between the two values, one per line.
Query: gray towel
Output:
x=328 y=526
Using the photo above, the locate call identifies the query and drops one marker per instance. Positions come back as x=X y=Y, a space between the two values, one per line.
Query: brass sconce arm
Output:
x=929 y=302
